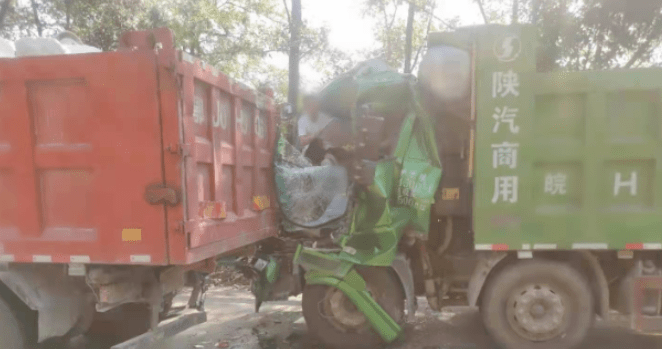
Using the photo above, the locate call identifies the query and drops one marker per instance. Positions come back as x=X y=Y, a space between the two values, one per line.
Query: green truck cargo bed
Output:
x=564 y=160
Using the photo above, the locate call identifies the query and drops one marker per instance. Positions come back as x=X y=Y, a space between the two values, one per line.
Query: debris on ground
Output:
x=229 y=277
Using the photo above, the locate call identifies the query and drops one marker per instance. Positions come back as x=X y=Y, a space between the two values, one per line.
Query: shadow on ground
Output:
x=233 y=324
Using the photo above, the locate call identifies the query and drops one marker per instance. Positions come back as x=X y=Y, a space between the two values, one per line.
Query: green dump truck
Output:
x=533 y=196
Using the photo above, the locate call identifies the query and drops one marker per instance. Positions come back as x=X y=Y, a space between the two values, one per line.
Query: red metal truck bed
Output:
x=89 y=143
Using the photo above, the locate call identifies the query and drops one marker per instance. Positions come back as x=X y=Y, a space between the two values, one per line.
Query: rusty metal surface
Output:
x=160 y=193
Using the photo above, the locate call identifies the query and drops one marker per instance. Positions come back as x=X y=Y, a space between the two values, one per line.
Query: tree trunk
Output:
x=67 y=4
x=547 y=60
x=535 y=11
x=37 y=22
x=295 y=42
x=408 y=37
x=482 y=11
x=4 y=9
x=427 y=34
x=515 y=11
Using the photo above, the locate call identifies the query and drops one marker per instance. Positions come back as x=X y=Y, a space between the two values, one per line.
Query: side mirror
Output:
x=287 y=111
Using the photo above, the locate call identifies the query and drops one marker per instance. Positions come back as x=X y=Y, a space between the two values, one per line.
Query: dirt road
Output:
x=233 y=324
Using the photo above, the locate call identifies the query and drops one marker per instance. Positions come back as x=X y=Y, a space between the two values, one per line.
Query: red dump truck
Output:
x=123 y=177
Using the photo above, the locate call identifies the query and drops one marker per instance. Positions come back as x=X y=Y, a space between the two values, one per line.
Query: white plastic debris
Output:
x=74 y=45
x=64 y=43
x=39 y=47
x=7 y=48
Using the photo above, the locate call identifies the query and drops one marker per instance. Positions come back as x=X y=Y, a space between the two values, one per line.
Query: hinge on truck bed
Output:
x=182 y=150
x=180 y=228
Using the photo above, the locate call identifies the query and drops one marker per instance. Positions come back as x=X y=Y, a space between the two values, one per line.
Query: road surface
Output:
x=233 y=324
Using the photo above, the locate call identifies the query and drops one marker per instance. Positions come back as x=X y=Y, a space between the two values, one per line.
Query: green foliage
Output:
x=97 y=22
x=239 y=37
x=390 y=28
x=334 y=62
x=101 y=22
x=236 y=38
x=589 y=34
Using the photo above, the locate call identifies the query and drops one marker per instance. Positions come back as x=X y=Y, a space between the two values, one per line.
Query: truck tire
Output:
x=338 y=324
x=118 y=325
x=12 y=330
x=538 y=305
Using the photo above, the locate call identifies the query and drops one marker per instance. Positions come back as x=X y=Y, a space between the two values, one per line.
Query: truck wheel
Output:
x=333 y=318
x=12 y=331
x=538 y=305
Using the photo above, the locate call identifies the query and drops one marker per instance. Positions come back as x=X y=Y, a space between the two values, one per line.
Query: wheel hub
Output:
x=537 y=313
x=342 y=313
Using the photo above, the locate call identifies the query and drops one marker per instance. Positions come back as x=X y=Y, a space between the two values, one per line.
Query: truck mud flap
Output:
x=648 y=324
x=167 y=328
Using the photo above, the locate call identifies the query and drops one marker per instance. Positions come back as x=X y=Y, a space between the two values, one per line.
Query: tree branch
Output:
x=408 y=36
x=395 y=13
x=515 y=18
x=67 y=4
x=482 y=11
x=443 y=21
x=535 y=9
x=587 y=55
x=4 y=9
x=287 y=11
x=427 y=34
x=646 y=45
x=383 y=8
x=36 y=17
x=387 y=37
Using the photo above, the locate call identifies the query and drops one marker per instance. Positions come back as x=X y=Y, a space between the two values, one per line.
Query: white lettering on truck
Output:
x=555 y=184
x=505 y=83
x=619 y=182
x=505 y=189
x=505 y=115
x=504 y=154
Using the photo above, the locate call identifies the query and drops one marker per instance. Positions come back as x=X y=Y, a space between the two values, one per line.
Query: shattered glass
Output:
x=310 y=196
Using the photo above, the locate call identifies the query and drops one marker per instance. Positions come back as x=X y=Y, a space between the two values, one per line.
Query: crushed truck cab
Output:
x=545 y=216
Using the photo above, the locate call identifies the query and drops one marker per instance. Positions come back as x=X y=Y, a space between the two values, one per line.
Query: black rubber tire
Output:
x=562 y=278
x=12 y=331
x=390 y=296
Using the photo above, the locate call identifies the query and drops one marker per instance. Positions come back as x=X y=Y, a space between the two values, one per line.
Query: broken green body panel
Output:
x=398 y=198
x=563 y=160
x=330 y=270
x=262 y=286
x=404 y=185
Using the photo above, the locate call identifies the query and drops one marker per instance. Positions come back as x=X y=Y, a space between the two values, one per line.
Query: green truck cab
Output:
x=530 y=195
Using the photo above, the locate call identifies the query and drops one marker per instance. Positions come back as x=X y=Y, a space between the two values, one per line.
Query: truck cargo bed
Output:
x=141 y=156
